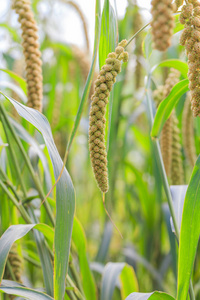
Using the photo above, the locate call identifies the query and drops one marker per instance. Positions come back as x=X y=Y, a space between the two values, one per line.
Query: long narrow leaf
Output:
x=65 y=198
x=14 y=233
x=128 y=281
x=150 y=296
x=19 y=79
x=110 y=275
x=189 y=234
x=108 y=32
x=167 y=105
x=79 y=240
x=173 y=63
x=13 y=288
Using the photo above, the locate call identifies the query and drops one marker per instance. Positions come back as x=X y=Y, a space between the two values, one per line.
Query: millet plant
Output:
x=92 y=140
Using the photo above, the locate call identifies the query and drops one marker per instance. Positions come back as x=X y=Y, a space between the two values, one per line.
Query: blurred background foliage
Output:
x=135 y=199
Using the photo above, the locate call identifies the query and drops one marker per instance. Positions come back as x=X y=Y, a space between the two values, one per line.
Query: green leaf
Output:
x=128 y=281
x=19 y=79
x=189 y=233
x=173 y=63
x=165 y=108
x=110 y=275
x=107 y=42
x=12 y=32
x=178 y=26
x=79 y=240
x=150 y=296
x=13 y=288
x=65 y=198
x=46 y=230
x=24 y=135
x=12 y=234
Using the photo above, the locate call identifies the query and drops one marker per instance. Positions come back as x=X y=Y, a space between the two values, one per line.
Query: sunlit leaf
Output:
x=79 y=240
x=189 y=234
x=128 y=281
x=108 y=32
x=166 y=106
x=19 y=79
x=150 y=296
x=13 y=288
x=65 y=198
x=173 y=63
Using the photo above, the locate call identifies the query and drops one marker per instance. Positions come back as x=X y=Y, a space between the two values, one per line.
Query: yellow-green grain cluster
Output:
x=103 y=86
x=158 y=95
x=190 y=38
x=167 y=132
x=177 y=173
x=15 y=263
x=188 y=132
x=162 y=23
x=178 y=3
x=31 y=52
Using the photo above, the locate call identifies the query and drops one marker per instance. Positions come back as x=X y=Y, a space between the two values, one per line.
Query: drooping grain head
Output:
x=31 y=53
x=103 y=86
x=166 y=139
x=188 y=132
x=190 y=38
x=162 y=23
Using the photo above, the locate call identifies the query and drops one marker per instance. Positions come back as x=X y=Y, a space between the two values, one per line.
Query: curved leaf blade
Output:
x=12 y=234
x=150 y=296
x=110 y=275
x=19 y=79
x=166 y=106
x=129 y=283
x=107 y=41
x=173 y=63
x=13 y=288
x=79 y=240
x=189 y=233
x=65 y=197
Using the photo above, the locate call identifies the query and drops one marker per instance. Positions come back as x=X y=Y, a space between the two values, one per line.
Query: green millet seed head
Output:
x=191 y=39
x=109 y=76
x=31 y=52
x=108 y=67
x=162 y=23
x=125 y=57
x=178 y=3
x=103 y=86
x=110 y=61
x=112 y=55
x=123 y=43
x=119 y=50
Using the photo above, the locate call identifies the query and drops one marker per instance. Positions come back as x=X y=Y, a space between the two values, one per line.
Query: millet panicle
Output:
x=162 y=23
x=31 y=52
x=190 y=38
x=103 y=86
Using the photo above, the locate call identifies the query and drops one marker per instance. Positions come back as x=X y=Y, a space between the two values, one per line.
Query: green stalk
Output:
x=76 y=276
x=9 y=184
x=15 y=162
x=132 y=38
x=29 y=165
x=164 y=177
x=16 y=203
x=75 y=289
